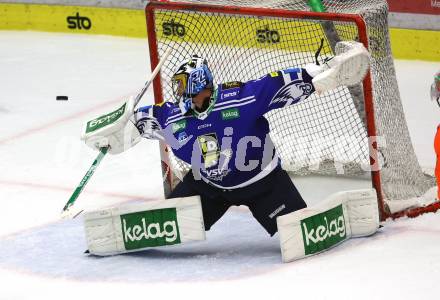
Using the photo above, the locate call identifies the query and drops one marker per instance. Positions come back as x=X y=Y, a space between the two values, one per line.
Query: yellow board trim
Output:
x=415 y=44
x=54 y=18
x=405 y=43
x=259 y=33
x=244 y=34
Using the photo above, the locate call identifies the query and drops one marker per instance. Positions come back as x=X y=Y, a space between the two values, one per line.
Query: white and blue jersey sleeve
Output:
x=281 y=88
x=150 y=119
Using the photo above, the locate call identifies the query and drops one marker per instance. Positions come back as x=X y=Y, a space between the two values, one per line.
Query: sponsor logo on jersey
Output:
x=179 y=126
x=105 y=119
x=229 y=94
x=173 y=28
x=207 y=125
x=150 y=228
x=231 y=85
x=78 y=22
x=217 y=174
x=323 y=230
x=223 y=170
x=210 y=149
x=265 y=35
x=292 y=93
x=230 y=114
x=175 y=110
x=182 y=137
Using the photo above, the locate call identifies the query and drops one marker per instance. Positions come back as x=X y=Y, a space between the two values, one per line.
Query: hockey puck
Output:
x=62 y=98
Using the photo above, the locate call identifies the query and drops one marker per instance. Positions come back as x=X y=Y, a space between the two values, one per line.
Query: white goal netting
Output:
x=326 y=134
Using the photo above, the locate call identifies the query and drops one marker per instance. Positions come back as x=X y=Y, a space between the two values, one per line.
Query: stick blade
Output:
x=71 y=213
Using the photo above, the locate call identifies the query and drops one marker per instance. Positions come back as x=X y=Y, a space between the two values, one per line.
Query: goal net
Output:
x=355 y=131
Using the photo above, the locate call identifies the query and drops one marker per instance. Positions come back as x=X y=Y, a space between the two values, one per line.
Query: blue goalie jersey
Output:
x=231 y=147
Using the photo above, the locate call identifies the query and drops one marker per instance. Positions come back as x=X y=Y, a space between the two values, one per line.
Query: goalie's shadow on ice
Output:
x=220 y=250
x=236 y=247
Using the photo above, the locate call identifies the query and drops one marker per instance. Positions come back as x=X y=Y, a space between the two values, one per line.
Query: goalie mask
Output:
x=435 y=88
x=190 y=79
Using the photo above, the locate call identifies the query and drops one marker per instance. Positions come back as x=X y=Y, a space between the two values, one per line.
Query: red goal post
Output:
x=157 y=48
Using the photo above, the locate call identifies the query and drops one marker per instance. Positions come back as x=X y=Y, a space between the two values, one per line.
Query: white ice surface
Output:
x=42 y=161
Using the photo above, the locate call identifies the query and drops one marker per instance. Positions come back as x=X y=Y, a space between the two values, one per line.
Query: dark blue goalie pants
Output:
x=268 y=198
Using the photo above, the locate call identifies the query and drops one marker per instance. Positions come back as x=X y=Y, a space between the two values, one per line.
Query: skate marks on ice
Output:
x=237 y=246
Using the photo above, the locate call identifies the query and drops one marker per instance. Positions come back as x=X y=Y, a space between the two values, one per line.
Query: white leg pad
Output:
x=141 y=225
x=313 y=230
x=348 y=67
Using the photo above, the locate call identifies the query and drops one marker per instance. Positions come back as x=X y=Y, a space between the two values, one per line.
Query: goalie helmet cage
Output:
x=343 y=132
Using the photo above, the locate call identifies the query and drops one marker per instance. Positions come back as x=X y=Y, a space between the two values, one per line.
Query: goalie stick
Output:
x=67 y=211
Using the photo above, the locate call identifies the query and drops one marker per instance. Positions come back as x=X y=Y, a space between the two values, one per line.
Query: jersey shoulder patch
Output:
x=159 y=104
x=274 y=74
x=169 y=111
x=231 y=85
